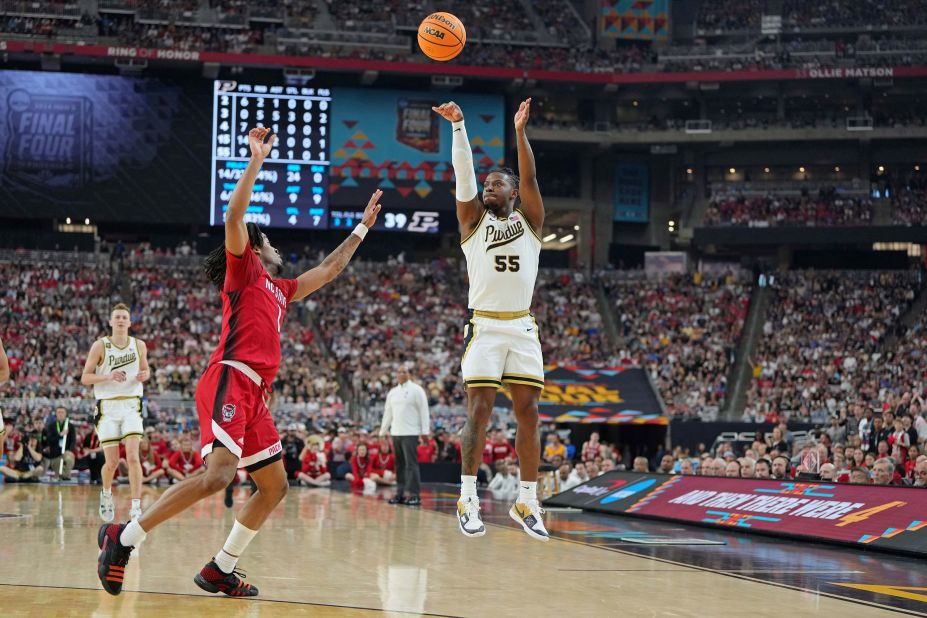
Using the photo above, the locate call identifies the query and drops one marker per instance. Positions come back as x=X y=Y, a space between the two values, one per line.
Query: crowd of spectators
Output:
x=684 y=330
x=773 y=210
x=909 y=198
x=878 y=448
x=718 y=15
x=50 y=314
x=823 y=345
x=721 y=15
x=831 y=353
x=864 y=13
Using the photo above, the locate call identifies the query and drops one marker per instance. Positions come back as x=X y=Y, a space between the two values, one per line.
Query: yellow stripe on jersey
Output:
x=475 y=227
x=501 y=315
x=528 y=224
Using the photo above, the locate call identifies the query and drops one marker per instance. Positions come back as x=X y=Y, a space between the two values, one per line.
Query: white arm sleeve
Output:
x=462 y=158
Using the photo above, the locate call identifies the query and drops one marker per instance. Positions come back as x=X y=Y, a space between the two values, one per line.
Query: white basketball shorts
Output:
x=500 y=350
x=118 y=419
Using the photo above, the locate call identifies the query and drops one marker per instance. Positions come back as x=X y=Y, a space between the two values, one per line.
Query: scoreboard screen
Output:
x=291 y=189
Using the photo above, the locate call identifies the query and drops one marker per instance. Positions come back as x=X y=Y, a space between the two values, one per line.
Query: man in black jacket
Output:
x=60 y=440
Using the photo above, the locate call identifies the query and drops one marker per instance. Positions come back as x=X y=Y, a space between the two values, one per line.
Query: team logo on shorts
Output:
x=228 y=412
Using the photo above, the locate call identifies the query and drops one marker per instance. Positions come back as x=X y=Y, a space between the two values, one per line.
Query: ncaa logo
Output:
x=228 y=412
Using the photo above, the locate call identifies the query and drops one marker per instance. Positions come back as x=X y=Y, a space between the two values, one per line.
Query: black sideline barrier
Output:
x=870 y=516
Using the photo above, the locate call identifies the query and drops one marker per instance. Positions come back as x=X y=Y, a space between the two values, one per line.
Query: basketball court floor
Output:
x=332 y=553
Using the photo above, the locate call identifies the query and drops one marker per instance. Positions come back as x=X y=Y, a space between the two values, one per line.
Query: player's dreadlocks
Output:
x=214 y=264
x=508 y=171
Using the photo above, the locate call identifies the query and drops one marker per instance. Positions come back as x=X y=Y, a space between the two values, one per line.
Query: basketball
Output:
x=441 y=36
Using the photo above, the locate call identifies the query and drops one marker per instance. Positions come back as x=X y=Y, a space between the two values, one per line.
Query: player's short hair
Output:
x=214 y=264
x=120 y=307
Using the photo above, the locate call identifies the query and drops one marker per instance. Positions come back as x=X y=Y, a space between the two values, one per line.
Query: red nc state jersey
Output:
x=253 y=308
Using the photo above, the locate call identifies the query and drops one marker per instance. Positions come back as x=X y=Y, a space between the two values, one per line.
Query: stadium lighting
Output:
x=576 y=228
x=68 y=220
x=733 y=170
x=917 y=168
x=567 y=238
x=765 y=170
x=86 y=221
x=549 y=237
x=801 y=169
x=836 y=168
x=634 y=103
x=881 y=168
x=689 y=171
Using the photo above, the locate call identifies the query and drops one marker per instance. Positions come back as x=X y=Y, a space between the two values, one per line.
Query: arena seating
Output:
x=549 y=36
x=832 y=339
x=776 y=210
x=684 y=331
x=822 y=343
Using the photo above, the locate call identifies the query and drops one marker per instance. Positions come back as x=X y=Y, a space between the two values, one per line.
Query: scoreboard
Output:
x=291 y=189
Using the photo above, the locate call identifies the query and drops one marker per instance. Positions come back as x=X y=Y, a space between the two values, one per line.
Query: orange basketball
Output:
x=441 y=36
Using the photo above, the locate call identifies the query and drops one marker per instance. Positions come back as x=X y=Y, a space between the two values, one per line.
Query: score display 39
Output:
x=420 y=221
x=291 y=189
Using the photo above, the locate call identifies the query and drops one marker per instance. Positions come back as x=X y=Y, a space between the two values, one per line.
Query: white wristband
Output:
x=361 y=231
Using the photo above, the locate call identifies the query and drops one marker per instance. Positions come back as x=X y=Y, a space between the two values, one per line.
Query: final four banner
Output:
x=613 y=395
x=893 y=518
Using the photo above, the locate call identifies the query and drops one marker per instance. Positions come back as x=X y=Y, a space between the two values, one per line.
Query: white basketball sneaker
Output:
x=136 y=511
x=528 y=514
x=468 y=517
x=107 y=510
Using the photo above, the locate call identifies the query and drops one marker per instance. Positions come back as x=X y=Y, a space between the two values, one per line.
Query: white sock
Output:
x=234 y=546
x=136 y=503
x=108 y=493
x=132 y=535
x=467 y=487
x=527 y=491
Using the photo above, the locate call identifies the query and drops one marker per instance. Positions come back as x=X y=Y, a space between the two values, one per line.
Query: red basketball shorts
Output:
x=233 y=413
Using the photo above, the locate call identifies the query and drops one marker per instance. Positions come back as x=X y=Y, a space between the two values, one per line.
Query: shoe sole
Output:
x=531 y=533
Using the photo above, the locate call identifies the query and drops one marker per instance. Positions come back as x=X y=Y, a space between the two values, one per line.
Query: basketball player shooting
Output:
x=501 y=241
x=116 y=367
x=236 y=428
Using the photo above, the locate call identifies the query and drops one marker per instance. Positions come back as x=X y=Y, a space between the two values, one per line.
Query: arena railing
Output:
x=118 y=6
x=70 y=257
x=35 y=8
x=855 y=187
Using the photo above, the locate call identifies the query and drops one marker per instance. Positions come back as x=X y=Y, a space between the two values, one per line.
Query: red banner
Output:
x=878 y=516
x=353 y=64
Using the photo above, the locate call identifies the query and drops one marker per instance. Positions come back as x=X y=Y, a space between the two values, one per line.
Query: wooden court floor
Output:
x=331 y=553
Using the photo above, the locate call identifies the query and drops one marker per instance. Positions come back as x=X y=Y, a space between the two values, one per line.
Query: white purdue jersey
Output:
x=122 y=359
x=502 y=262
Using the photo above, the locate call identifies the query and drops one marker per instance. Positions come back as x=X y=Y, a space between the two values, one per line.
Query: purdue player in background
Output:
x=116 y=367
x=500 y=238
